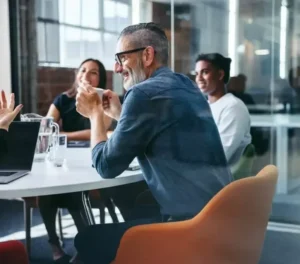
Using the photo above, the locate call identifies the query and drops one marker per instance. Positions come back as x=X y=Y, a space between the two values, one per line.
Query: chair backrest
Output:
x=243 y=168
x=229 y=230
x=233 y=224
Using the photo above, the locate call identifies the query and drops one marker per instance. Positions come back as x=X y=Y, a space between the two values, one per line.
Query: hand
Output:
x=111 y=104
x=8 y=114
x=88 y=101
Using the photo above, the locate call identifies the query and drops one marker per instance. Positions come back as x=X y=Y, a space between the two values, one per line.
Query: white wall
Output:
x=5 y=71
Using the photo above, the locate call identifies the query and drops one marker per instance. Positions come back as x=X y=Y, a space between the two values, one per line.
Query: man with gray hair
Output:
x=166 y=123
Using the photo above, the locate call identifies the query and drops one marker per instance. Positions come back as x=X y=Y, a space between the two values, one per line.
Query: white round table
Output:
x=77 y=175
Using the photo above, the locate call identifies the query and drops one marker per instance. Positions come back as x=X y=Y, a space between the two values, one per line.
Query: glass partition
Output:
x=261 y=38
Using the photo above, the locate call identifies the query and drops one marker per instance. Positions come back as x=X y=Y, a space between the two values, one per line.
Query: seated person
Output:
x=76 y=127
x=63 y=109
x=8 y=113
x=166 y=123
x=230 y=113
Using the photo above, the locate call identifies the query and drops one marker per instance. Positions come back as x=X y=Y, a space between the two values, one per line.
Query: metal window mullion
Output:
x=50 y=21
x=172 y=36
x=46 y=44
x=81 y=45
x=101 y=25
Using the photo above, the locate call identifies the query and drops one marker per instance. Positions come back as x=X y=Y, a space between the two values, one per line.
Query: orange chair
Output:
x=229 y=230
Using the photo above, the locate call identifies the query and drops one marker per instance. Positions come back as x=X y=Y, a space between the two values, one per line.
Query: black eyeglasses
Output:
x=117 y=55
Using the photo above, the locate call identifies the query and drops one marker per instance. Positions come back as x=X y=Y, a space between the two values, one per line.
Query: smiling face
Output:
x=132 y=68
x=208 y=77
x=88 y=72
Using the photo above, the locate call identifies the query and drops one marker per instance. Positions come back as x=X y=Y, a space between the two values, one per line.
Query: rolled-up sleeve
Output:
x=133 y=133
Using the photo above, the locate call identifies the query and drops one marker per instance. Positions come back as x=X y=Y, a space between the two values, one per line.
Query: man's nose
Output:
x=200 y=77
x=118 y=68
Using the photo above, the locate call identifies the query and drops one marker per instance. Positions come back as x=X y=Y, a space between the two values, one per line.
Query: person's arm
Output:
x=76 y=135
x=54 y=112
x=232 y=128
x=133 y=133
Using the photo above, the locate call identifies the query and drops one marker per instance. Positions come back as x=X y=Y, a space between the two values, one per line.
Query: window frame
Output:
x=101 y=28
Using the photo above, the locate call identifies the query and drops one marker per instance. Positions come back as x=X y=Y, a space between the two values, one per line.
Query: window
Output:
x=110 y=41
x=123 y=16
x=71 y=12
x=41 y=40
x=92 y=44
x=109 y=15
x=48 y=50
x=116 y=15
x=70 y=43
x=47 y=9
x=52 y=47
x=70 y=31
x=91 y=14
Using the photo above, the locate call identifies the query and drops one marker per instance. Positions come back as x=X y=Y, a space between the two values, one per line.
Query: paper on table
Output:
x=134 y=165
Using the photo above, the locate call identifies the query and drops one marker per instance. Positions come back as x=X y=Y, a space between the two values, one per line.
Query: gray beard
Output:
x=137 y=75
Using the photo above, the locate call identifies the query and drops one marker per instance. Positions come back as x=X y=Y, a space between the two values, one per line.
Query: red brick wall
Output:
x=52 y=81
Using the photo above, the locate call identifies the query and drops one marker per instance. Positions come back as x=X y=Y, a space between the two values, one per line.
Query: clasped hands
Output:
x=90 y=105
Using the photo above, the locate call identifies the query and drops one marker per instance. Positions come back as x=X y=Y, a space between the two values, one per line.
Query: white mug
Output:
x=99 y=92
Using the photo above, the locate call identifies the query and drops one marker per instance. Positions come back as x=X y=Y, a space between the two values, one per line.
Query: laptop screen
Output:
x=22 y=138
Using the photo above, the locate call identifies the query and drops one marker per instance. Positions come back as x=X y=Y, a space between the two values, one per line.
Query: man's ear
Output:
x=221 y=74
x=148 y=56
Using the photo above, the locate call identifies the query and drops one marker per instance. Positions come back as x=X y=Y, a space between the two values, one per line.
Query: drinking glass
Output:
x=59 y=150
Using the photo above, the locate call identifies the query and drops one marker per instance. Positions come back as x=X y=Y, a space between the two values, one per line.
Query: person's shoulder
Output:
x=233 y=101
x=235 y=106
x=60 y=97
x=62 y=101
x=63 y=97
x=136 y=93
x=164 y=81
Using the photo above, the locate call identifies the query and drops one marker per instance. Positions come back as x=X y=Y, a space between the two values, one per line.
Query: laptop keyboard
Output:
x=7 y=173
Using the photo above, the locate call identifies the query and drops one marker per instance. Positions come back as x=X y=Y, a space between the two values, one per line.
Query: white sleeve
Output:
x=233 y=126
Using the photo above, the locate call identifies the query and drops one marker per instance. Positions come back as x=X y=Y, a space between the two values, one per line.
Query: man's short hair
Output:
x=218 y=61
x=149 y=34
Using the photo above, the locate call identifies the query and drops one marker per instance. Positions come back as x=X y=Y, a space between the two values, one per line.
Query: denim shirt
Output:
x=167 y=124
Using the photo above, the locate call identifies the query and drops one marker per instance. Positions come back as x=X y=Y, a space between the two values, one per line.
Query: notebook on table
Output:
x=78 y=144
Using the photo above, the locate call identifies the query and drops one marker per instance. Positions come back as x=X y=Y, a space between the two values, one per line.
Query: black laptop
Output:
x=17 y=162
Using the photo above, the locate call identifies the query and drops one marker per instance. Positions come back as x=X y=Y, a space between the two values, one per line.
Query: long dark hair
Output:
x=102 y=77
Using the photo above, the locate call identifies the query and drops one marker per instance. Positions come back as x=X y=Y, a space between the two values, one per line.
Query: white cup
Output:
x=99 y=92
